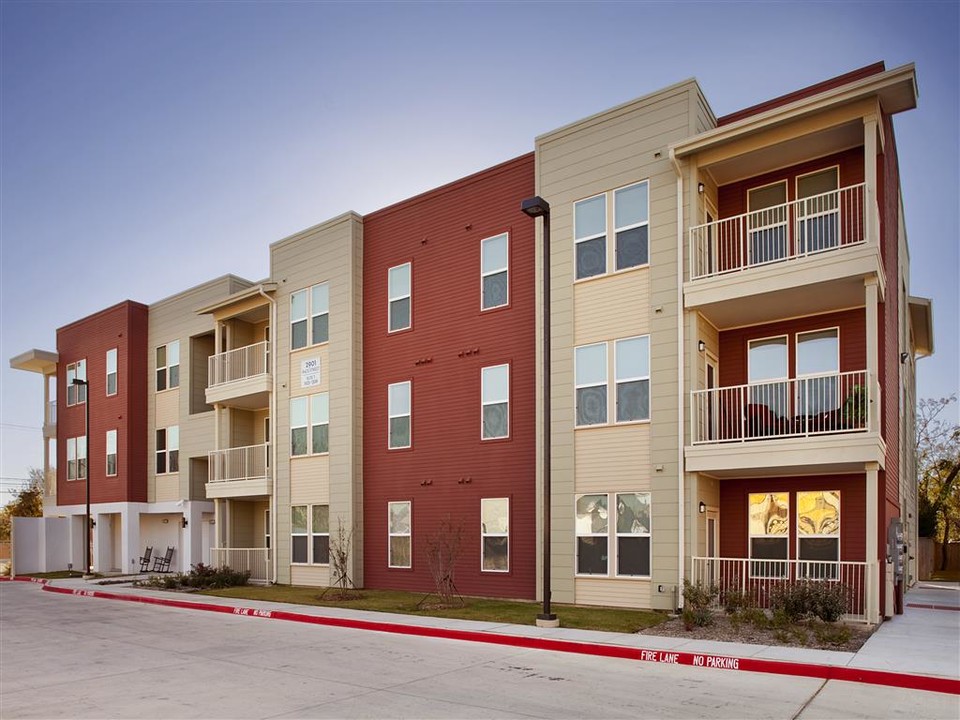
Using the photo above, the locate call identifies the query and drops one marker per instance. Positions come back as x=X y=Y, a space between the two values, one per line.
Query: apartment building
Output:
x=733 y=348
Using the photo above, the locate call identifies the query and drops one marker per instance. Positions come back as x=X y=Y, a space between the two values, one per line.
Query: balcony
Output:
x=828 y=421
x=804 y=256
x=50 y=420
x=256 y=561
x=240 y=378
x=239 y=472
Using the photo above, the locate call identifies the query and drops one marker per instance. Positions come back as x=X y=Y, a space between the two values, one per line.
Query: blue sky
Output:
x=147 y=147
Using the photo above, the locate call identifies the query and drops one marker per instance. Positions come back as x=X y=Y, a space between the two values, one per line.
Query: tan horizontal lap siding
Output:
x=168 y=408
x=309 y=480
x=167 y=487
x=613 y=592
x=593 y=300
x=612 y=459
x=310 y=575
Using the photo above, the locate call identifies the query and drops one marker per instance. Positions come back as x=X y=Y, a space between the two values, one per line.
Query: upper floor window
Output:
x=111 y=445
x=633 y=378
x=399 y=297
x=77 y=458
x=400 y=415
x=76 y=394
x=495 y=401
x=631 y=230
x=112 y=371
x=168 y=366
x=313 y=412
x=313 y=304
x=631 y=369
x=494 y=264
x=631 y=211
x=590 y=236
x=591 y=384
x=168 y=450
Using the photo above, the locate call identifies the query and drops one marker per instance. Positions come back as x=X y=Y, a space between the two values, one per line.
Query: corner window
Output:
x=495 y=534
x=591 y=384
x=633 y=534
x=111 y=445
x=313 y=304
x=399 y=535
x=633 y=378
x=168 y=450
x=320 y=534
x=818 y=534
x=398 y=401
x=77 y=458
x=494 y=263
x=590 y=236
x=399 y=295
x=592 y=528
x=168 y=366
x=631 y=211
x=76 y=394
x=495 y=401
x=768 y=526
x=298 y=534
x=112 y=371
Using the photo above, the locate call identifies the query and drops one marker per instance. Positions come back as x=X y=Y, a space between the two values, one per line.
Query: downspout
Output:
x=680 y=366
x=273 y=426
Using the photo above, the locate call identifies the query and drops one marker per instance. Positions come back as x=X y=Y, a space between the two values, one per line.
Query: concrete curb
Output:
x=719 y=662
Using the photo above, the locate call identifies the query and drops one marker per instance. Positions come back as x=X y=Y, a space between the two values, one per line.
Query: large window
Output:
x=768 y=527
x=818 y=365
x=320 y=534
x=112 y=371
x=590 y=236
x=168 y=450
x=111 y=445
x=494 y=264
x=633 y=534
x=631 y=211
x=77 y=458
x=593 y=530
x=495 y=401
x=767 y=223
x=76 y=394
x=818 y=213
x=299 y=535
x=399 y=294
x=495 y=534
x=818 y=534
x=311 y=304
x=309 y=534
x=400 y=535
x=168 y=366
x=310 y=413
x=631 y=389
x=767 y=374
x=400 y=415
x=591 y=384
x=631 y=230
x=630 y=532
x=633 y=378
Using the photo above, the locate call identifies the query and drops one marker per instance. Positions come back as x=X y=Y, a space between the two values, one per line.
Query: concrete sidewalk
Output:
x=921 y=641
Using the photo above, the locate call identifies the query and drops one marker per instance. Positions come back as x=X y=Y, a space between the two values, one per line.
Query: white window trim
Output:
x=645 y=223
x=304 y=534
x=605 y=384
x=313 y=533
x=750 y=536
x=797 y=178
x=391 y=535
x=604 y=234
x=166 y=368
x=751 y=341
x=786 y=195
x=311 y=425
x=391 y=415
x=115 y=373
x=74 y=443
x=835 y=536
x=391 y=298
x=484 y=535
x=611 y=387
x=306 y=415
x=617 y=535
x=577 y=535
x=72 y=372
x=115 y=453
x=305 y=319
x=505 y=268
x=796 y=352
x=617 y=381
x=308 y=318
x=483 y=404
x=167 y=450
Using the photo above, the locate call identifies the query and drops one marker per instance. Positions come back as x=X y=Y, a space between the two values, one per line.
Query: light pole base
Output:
x=548 y=621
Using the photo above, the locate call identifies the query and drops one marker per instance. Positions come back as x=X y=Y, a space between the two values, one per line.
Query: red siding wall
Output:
x=853 y=349
x=450 y=341
x=734 y=537
x=123 y=326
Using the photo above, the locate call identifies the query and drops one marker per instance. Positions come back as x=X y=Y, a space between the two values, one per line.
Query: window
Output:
x=590 y=236
x=315 y=303
x=112 y=371
x=320 y=534
x=398 y=290
x=76 y=394
x=768 y=523
x=266 y=530
x=494 y=263
x=313 y=412
x=818 y=365
x=77 y=458
x=168 y=366
x=767 y=223
x=631 y=226
x=633 y=378
x=400 y=535
x=593 y=529
x=767 y=373
x=168 y=450
x=298 y=534
x=633 y=534
x=818 y=534
x=591 y=384
x=818 y=213
x=400 y=415
x=111 y=452
x=495 y=401
x=495 y=534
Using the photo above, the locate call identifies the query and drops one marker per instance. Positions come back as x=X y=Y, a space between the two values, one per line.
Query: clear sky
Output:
x=148 y=147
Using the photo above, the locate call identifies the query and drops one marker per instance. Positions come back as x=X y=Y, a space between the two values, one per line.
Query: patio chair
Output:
x=162 y=564
x=145 y=559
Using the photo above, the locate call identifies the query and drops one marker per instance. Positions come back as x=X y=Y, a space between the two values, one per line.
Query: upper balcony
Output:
x=240 y=472
x=240 y=378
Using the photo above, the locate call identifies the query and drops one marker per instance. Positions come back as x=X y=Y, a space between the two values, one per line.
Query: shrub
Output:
x=829 y=601
x=755 y=616
x=830 y=634
x=698 y=596
x=798 y=601
x=200 y=577
x=735 y=601
x=696 y=617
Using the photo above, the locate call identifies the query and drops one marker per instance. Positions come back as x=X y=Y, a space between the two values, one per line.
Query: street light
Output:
x=89 y=469
x=536 y=207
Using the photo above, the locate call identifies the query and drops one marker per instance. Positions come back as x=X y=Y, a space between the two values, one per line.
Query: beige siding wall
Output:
x=625 y=145
x=332 y=253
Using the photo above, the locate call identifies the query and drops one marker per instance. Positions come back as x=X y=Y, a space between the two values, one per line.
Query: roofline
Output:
x=183 y=293
x=249 y=292
x=104 y=311
x=337 y=220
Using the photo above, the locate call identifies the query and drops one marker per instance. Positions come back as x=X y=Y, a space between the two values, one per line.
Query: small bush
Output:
x=734 y=601
x=755 y=616
x=200 y=577
x=696 y=617
x=824 y=600
x=831 y=634
x=698 y=596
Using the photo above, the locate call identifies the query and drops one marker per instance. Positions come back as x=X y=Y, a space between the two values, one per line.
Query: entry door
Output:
x=713 y=544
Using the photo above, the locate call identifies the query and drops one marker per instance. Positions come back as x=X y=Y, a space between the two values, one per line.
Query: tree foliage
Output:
x=938 y=465
x=26 y=502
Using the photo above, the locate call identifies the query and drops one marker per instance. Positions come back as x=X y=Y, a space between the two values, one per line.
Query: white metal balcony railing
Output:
x=795 y=407
x=239 y=364
x=256 y=561
x=50 y=417
x=242 y=463
x=759 y=579
x=795 y=229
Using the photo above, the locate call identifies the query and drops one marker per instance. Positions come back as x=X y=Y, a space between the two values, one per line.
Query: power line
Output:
x=14 y=426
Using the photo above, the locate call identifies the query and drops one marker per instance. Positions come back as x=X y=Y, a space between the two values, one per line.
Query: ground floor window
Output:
x=400 y=535
x=495 y=534
x=818 y=534
x=631 y=531
x=309 y=534
x=769 y=520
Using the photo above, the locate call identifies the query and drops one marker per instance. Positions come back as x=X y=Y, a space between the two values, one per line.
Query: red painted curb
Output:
x=925 y=606
x=720 y=662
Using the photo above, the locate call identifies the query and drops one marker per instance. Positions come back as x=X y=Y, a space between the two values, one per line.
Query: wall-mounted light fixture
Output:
x=703 y=507
x=903 y=357
x=700 y=188
x=701 y=346
x=183 y=522
x=166 y=521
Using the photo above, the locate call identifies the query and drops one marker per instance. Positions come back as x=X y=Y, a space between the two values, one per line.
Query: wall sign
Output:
x=310 y=372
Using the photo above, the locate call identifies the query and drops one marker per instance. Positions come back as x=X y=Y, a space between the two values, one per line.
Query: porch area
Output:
x=256 y=561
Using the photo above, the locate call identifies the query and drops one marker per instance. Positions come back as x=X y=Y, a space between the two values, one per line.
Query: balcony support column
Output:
x=870 y=179
x=872 y=589
x=872 y=299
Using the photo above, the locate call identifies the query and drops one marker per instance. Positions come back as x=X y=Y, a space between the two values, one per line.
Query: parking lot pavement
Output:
x=69 y=656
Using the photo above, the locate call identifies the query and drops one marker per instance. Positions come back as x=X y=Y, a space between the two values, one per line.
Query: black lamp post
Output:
x=538 y=207
x=86 y=432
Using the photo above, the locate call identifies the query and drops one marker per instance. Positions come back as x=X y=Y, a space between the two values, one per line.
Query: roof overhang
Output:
x=238 y=299
x=38 y=361
x=921 y=321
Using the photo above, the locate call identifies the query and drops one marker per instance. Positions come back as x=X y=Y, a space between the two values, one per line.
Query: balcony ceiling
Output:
x=38 y=361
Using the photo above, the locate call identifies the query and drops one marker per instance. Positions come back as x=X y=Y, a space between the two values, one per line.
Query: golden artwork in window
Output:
x=818 y=512
x=769 y=513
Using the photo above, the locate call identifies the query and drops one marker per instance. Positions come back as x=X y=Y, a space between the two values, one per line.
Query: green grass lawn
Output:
x=489 y=610
x=58 y=574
